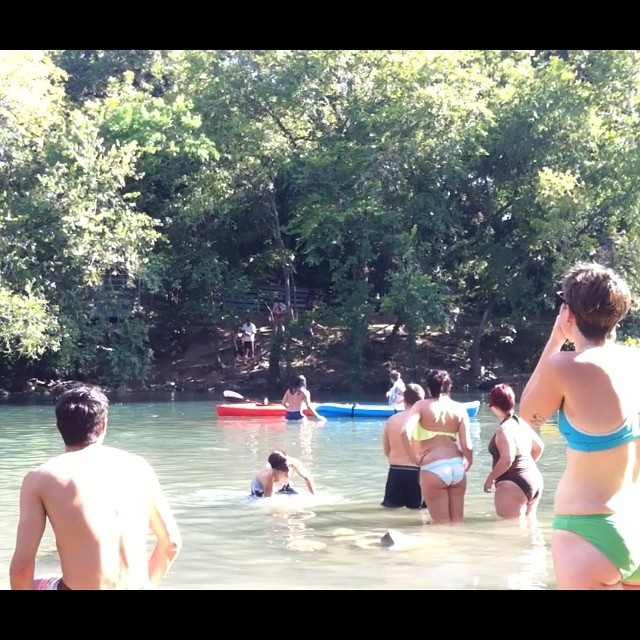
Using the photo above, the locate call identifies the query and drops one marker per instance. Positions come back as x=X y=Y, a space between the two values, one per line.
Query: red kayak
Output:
x=258 y=409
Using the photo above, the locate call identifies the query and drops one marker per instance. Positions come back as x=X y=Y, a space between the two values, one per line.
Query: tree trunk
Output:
x=393 y=336
x=287 y=267
x=475 y=347
x=217 y=361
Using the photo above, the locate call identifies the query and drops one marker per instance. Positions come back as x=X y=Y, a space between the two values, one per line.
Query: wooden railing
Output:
x=261 y=300
x=258 y=301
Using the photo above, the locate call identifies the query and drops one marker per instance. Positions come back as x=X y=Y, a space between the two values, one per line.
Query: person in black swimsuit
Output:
x=515 y=449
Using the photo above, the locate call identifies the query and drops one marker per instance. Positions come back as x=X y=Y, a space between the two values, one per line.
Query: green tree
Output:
x=67 y=218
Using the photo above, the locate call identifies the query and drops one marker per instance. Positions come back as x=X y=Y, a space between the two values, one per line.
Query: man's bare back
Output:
x=102 y=503
x=392 y=444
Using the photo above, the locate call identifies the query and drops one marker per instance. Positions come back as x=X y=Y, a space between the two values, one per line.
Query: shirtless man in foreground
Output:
x=101 y=503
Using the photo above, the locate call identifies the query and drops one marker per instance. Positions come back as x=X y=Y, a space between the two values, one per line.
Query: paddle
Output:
x=234 y=395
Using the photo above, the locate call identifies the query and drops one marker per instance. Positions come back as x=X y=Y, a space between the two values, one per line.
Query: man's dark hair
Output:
x=278 y=461
x=413 y=393
x=297 y=383
x=81 y=415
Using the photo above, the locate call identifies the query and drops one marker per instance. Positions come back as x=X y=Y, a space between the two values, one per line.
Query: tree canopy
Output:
x=429 y=185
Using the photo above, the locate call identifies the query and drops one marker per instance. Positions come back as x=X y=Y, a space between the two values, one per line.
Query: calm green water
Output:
x=330 y=541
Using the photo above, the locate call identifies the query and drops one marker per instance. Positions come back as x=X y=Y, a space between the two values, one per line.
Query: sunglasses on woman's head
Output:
x=560 y=298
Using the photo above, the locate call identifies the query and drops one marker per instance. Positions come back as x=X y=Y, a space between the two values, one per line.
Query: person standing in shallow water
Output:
x=595 y=542
x=101 y=503
x=296 y=398
x=439 y=426
x=403 y=478
x=396 y=392
x=515 y=449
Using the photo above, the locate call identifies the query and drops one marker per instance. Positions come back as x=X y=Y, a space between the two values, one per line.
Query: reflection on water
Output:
x=327 y=541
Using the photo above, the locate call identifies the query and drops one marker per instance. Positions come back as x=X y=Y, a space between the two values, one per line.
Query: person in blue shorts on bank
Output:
x=595 y=542
x=296 y=398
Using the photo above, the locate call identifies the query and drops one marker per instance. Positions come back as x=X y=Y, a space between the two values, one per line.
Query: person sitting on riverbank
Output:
x=403 y=478
x=275 y=476
x=296 y=398
x=100 y=502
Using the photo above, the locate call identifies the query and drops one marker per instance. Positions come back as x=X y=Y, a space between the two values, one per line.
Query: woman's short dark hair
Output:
x=438 y=382
x=598 y=297
x=81 y=415
x=502 y=397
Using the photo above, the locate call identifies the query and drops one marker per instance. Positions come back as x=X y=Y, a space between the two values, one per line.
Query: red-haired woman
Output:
x=515 y=449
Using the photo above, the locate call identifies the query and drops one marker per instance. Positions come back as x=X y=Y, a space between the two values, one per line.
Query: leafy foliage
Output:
x=432 y=186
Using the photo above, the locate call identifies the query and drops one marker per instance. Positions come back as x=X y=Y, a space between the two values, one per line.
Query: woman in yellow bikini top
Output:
x=438 y=411
x=420 y=434
x=439 y=428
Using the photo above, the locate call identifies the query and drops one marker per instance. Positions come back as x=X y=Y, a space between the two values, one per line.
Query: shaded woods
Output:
x=437 y=194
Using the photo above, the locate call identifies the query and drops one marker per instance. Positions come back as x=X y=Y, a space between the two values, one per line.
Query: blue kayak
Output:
x=370 y=410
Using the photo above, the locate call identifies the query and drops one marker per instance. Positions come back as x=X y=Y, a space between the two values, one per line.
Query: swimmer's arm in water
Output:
x=306 y=476
x=310 y=405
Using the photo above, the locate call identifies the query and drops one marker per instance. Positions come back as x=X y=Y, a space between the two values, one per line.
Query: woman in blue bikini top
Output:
x=594 y=388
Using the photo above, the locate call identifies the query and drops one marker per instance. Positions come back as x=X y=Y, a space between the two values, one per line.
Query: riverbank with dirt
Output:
x=199 y=363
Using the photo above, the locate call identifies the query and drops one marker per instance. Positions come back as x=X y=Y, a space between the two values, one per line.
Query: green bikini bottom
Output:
x=616 y=537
